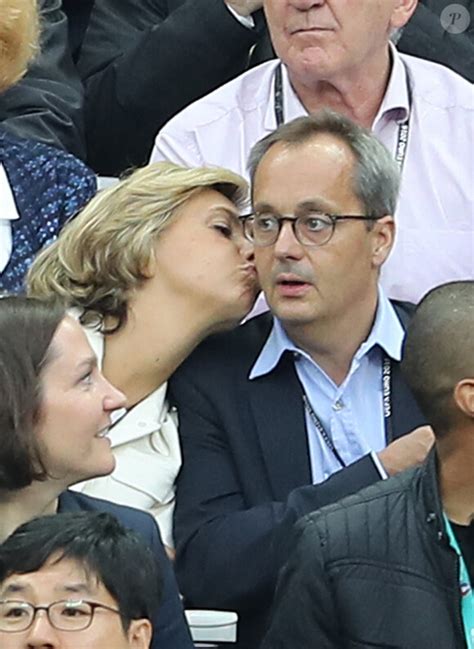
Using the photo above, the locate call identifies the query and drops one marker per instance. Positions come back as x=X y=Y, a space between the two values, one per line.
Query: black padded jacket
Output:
x=374 y=570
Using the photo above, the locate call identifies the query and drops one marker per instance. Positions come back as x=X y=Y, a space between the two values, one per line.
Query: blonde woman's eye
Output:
x=86 y=379
x=224 y=229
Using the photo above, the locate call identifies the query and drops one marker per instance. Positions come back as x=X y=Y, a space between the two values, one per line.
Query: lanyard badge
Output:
x=465 y=588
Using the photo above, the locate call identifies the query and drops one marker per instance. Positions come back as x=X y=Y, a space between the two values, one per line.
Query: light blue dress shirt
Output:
x=351 y=413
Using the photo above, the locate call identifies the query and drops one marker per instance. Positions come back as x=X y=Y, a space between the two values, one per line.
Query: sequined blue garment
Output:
x=49 y=186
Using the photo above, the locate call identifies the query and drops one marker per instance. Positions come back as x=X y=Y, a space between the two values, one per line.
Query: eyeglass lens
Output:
x=310 y=229
x=63 y=615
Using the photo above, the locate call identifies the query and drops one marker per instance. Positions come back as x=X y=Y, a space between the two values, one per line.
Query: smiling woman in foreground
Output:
x=55 y=407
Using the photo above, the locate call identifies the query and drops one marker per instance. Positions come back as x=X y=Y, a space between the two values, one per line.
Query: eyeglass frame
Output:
x=293 y=219
x=29 y=606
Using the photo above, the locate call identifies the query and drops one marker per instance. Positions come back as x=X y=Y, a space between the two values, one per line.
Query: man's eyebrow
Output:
x=13 y=588
x=75 y=588
x=264 y=207
x=318 y=204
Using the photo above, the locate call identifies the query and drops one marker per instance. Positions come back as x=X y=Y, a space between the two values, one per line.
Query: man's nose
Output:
x=41 y=634
x=287 y=245
x=306 y=5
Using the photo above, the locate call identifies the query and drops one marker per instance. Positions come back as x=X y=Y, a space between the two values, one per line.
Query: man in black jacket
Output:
x=393 y=566
x=140 y=63
x=289 y=413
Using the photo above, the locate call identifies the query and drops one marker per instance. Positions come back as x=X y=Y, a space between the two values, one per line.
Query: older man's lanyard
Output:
x=403 y=127
x=387 y=412
x=465 y=588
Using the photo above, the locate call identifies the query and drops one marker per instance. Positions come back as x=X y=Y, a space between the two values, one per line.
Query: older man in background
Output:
x=337 y=54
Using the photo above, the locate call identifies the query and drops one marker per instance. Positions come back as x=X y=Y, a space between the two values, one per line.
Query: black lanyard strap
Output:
x=403 y=129
x=278 y=96
x=387 y=412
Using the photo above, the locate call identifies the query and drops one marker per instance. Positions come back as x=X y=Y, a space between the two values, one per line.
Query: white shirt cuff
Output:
x=246 y=21
x=379 y=465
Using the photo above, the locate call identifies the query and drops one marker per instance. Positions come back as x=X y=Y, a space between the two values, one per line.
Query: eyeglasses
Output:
x=65 y=615
x=310 y=229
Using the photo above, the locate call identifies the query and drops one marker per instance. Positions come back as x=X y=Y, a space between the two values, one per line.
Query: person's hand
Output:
x=407 y=451
x=244 y=7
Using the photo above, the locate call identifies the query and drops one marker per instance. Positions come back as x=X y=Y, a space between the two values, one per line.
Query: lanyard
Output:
x=387 y=412
x=403 y=128
x=465 y=588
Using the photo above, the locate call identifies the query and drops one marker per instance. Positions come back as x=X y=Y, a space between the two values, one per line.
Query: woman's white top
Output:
x=148 y=457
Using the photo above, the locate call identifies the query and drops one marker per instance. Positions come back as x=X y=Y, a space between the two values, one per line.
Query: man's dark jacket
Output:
x=375 y=570
x=246 y=474
x=141 y=61
x=169 y=627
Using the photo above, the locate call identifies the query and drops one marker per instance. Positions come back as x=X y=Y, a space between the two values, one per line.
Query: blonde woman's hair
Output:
x=19 y=32
x=103 y=253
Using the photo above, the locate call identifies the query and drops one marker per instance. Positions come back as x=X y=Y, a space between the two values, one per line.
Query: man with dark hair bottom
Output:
x=76 y=581
x=393 y=566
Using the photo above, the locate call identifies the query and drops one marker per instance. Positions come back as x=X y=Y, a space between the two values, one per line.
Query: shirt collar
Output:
x=387 y=332
x=396 y=99
x=7 y=200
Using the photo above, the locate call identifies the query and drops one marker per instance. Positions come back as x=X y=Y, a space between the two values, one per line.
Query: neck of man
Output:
x=356 y=93
x=154 y=341
x=19 y=506
x=333 y=342
x=456 y=475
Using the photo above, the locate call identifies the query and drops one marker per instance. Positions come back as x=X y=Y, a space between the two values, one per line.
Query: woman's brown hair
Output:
x=27 y=327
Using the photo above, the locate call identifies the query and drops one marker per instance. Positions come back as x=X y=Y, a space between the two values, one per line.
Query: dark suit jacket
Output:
x=169 y=627
x=246 y=475
x=373 y=571
x=141 y=62
x=144 y=60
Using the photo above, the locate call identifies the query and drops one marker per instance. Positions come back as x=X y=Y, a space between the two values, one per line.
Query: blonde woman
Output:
x=40 y=186
x=18 y=39
x=153 y=265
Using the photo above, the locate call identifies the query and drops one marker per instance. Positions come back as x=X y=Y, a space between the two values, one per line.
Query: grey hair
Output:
x=376 y=174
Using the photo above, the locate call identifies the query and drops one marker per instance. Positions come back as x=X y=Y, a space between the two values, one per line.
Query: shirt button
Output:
x=296 y=356
x=338 y=405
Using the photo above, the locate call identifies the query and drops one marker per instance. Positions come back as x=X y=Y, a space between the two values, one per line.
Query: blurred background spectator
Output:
x=40 y=186
x=141 y=62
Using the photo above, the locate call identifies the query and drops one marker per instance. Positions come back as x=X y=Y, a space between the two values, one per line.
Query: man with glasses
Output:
x=76 y=581
x=305 y=405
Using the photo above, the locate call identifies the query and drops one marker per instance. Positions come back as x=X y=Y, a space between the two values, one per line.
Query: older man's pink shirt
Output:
x=435 y=215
